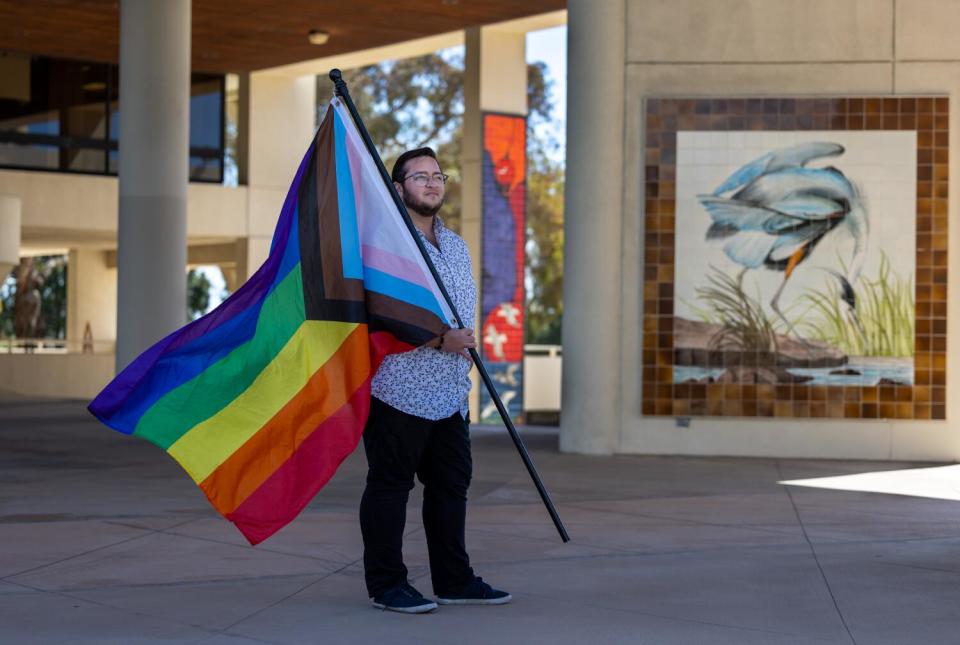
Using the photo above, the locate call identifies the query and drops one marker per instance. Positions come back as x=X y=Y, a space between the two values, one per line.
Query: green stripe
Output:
x=203 y=396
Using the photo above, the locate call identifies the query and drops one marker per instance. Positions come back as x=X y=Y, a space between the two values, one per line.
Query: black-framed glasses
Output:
x=422 y=178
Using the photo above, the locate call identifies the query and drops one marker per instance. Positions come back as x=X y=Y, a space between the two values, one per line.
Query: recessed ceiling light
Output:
x=318 y=37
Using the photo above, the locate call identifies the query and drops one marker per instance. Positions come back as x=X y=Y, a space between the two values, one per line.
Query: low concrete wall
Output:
x=541 y=379
x=84 y=375
x=75 y=376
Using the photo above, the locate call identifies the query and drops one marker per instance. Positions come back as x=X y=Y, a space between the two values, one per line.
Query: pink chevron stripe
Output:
x=356 y=171
x=395 y=265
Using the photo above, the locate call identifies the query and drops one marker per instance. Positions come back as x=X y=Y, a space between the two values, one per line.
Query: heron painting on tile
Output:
x=773 y=211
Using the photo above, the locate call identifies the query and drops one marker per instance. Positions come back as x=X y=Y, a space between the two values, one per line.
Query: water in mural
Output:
x=502 y=292
x=795 y=257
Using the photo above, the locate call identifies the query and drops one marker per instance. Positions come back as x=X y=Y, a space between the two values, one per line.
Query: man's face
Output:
x=425 y=200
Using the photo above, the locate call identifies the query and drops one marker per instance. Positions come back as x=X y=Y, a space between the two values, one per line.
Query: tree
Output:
x=544 y=255
x=53 y=295
x=7 y=295
x=545 y=184
x=198 y=294
x=52 y=270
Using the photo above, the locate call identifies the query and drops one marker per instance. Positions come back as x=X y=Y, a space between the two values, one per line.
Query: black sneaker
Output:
x=405 y=599
x=477 y=592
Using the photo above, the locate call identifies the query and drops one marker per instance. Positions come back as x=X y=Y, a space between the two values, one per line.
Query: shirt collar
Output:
x=438 y=228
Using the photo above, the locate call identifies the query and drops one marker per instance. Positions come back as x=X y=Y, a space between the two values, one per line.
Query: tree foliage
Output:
x=52 y=269
x=198 y=294
x=545 y=184
x=419 y=101
x=7 y=293
x=54 y=295
x=545 y=255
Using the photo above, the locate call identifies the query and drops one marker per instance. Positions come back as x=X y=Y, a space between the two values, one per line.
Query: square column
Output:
x=91 y=299
x=10 y=208
x=282 y=121
x=153 y=172
x=493 y=167
x=592 y=326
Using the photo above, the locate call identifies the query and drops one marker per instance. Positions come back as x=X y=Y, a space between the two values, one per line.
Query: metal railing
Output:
x=12 y=345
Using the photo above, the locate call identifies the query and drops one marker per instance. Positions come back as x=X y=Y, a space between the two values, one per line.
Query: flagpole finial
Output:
x=340 y=86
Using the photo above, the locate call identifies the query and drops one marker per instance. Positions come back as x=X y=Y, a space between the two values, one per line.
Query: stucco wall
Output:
x=75 y=376
x=691 y=48
x=69 y=209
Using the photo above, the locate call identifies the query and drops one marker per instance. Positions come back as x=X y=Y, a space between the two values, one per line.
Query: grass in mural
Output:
x=885 y=308
x=746 y=326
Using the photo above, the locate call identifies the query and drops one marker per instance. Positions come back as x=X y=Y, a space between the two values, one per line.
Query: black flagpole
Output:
x=341 y=90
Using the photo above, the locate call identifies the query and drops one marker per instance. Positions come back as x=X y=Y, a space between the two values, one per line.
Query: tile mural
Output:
x=502 y=295
x=795 y=257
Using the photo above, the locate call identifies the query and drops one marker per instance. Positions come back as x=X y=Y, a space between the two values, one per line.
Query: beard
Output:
x=421 y=207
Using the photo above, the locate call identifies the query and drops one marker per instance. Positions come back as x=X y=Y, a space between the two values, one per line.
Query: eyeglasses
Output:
x=422 y=178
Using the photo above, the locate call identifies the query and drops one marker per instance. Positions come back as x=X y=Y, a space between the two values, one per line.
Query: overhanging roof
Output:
x=248 y=35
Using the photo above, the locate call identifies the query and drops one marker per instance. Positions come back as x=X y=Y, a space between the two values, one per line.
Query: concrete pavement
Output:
x=105 y=540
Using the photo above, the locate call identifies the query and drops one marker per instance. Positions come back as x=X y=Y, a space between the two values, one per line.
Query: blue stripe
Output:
x=414 y=294
x=188 y=361
x=347 y=205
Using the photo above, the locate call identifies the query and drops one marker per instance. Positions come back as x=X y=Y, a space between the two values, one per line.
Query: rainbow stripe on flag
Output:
x=263 y=398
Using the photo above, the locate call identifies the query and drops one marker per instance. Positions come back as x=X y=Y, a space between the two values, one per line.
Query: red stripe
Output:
x=291 y=487
x=383 y=343
x=325 y=393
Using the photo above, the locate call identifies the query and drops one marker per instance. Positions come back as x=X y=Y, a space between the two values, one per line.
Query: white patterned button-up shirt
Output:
x=426 y=382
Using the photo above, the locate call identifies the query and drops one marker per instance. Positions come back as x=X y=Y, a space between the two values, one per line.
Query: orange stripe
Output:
x=794 y=261
x=325 y=393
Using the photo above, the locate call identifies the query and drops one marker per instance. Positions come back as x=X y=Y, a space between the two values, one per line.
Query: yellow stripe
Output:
x=209 y=443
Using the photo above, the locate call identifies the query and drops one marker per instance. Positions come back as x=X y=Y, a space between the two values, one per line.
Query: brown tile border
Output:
x=928 y=116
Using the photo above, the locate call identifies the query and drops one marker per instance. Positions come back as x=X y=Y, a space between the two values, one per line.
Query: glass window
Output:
x=231 y=127
x=38 y=155
x=206 y=127
x=64 y=115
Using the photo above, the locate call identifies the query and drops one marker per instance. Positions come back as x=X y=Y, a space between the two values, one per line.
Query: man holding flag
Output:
x=418 y=425
x=347 y=321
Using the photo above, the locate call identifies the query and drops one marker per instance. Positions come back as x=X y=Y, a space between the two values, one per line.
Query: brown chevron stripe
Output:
x=328 y=214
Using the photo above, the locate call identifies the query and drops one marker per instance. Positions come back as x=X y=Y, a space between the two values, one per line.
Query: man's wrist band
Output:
x=440 y=344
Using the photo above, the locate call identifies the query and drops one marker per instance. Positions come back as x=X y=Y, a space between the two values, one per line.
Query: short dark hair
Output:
x=399 y=166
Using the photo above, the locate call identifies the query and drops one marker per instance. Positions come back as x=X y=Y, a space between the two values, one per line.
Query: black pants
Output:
x=399 y=446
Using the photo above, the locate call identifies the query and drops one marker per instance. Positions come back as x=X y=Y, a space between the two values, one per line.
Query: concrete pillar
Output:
x=592 y=333
x=495 y=80
x=9 y=234
x=229 y=272
x=282 y=121
x=153 y=172
x=91 y=299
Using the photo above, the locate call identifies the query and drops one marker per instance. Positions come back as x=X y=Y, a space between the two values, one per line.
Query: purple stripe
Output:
x=257 y=287
x=250 y=294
